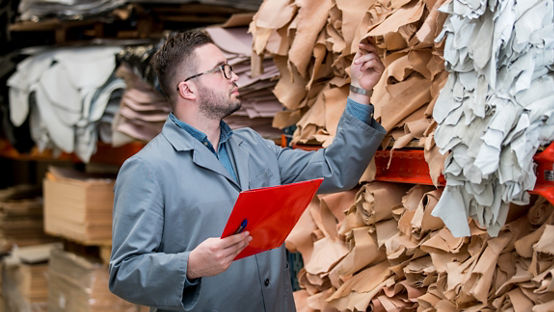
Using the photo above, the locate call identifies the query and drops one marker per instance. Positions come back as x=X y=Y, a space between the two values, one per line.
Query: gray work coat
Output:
x=175 y=193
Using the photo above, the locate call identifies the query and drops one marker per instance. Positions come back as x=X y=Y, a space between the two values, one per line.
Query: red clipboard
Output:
x=269 y=214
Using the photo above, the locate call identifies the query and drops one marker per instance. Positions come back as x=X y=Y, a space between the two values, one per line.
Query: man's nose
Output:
x=234 y=77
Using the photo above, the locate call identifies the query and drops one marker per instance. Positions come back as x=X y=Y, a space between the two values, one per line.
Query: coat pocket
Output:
x=262 y=178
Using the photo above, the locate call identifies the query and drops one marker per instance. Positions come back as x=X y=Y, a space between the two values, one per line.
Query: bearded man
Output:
x=173 y=198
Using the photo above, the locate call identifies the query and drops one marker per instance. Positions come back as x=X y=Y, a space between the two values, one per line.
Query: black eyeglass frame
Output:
x=225 y=68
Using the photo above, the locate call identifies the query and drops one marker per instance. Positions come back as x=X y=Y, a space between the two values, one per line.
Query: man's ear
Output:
x=186 y=90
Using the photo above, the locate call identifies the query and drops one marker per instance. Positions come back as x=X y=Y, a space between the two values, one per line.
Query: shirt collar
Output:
x=201 y=136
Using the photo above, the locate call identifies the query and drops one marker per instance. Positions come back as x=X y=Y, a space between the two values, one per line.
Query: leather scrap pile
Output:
x=496 y=109
x=64 y=92
x=497 y=90
x=313 y=43
x=380 y=249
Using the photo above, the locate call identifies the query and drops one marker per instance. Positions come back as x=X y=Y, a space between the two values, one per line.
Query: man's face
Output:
x=218 y=96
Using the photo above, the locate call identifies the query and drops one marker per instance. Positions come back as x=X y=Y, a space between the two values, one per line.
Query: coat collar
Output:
x=225 y=132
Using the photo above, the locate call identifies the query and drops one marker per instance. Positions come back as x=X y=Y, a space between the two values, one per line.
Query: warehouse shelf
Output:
x=132 y=21
x=105 y=153
x=406 y=166
x=409 y=166
x=545 y=174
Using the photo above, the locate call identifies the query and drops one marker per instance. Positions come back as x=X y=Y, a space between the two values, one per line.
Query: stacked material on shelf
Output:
x=142 y=111
x=311 y=56
x=36 y=10
x=80 y=284
x=25 y=285
x=250 y=5
x=65 y=92
x=313 y=43
x=21 y=217
x=380 y=249
x=72 y=9
x=21 y=222
x=259 y=105
x=78 y=206
x=414 y=70
x=19 y=192
x=496 y=109
x=414 y=74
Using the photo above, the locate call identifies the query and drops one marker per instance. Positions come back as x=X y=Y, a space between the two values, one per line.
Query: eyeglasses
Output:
x=225 y=68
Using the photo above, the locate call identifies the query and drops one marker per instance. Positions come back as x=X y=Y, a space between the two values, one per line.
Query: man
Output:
x=173 y=198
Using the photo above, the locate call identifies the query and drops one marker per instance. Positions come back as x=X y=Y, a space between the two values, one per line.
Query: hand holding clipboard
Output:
x=269 y=214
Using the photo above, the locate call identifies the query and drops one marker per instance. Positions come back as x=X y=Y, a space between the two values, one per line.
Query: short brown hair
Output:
x=177 y=49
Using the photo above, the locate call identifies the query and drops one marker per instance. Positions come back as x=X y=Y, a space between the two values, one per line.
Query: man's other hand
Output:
x=215 y=255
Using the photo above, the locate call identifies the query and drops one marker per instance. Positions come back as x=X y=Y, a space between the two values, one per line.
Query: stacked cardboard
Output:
x=78 y=206
x=81 y=285
x=21 y=222
x=21 y=217
x=386 y=252
x=25 y=285
x=34 y=284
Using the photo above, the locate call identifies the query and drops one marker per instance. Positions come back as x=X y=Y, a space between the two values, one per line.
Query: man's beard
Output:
x=216 y=105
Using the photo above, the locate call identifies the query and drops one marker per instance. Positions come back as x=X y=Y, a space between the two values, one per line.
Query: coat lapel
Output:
x=204 y=158
x=201 y=156
x=242 y=157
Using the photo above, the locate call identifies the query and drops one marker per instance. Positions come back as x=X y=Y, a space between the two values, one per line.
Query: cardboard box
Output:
x=78 y=206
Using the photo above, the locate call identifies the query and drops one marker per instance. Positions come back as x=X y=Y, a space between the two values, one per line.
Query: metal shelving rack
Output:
x=409 y=166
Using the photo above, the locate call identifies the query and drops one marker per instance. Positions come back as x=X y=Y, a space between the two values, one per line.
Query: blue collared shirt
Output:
x=360 y=111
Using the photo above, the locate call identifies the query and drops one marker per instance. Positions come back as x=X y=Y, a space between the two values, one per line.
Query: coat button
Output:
x=266 y=282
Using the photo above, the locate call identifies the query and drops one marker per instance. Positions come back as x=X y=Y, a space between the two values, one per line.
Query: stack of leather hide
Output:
x=313 y=43
x=380 y=249
x=259 y=105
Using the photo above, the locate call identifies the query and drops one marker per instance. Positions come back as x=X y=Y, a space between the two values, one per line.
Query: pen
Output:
x=242 y=226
